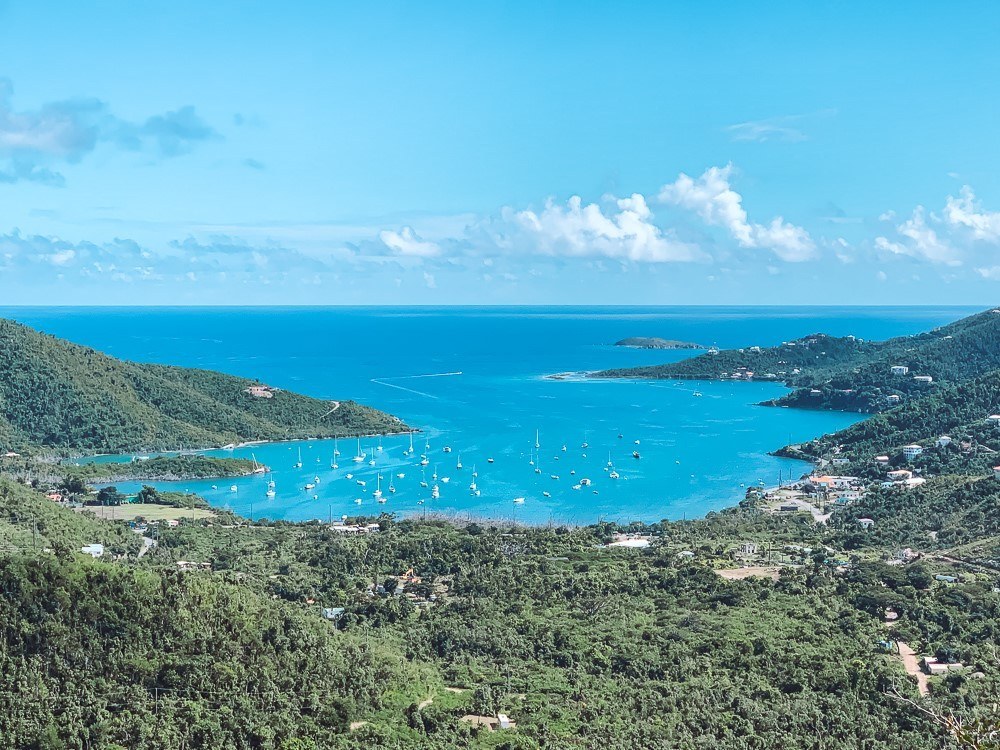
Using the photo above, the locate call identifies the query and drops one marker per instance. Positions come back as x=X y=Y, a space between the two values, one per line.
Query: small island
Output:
x=654 y=342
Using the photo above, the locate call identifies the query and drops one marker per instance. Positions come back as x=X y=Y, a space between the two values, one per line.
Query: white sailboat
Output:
x=379 y=448
x=518 y=501
x=257 y=468
x=435 y=492
x=298 y=464
x=392 y=487
x=459 y=464
x=378 y=487
x=537 y=444
x=434 y=476
x=409 y=451
x=473 y=487
x=336 y=452
x=359 y=457
x=423 y=478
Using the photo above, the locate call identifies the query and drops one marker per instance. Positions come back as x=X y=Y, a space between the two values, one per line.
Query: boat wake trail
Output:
x=384 y=381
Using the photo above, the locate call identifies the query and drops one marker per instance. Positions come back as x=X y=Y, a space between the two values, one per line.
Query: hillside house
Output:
x=912 y=451
x=944 y=441
x=94 y=550
x=899 y=475
x=261 y=391
x=899 y=369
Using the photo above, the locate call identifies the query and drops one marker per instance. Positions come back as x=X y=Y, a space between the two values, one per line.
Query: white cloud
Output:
x=917 y=239
x=992 y=273
x=407 y=242
x=966 y=211
x=713 y=199
x=429 y=280
x=625 y=231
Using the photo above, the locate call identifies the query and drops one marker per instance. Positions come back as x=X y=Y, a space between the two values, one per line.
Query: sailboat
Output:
x=434 y=476
x=435 y=492
x=409 y=451
x=423 y=478
x=270 y=483
x=531 y=458
x=379 y=449
x=424 y=460
x=359 y=456
x=336 y=452
x=537 y=444
x=298 y=464
x=518 y=501
x=392 y=487
x=459 y=464
x=257 y=468
x=270 y=488
x=446 y=449
x=473 y=486
x=371 y=461
x=378 y=488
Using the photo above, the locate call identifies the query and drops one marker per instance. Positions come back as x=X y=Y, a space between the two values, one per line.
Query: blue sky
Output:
x=504 y=153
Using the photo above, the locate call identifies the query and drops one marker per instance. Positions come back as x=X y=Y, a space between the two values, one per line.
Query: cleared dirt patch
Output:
x=758 y=571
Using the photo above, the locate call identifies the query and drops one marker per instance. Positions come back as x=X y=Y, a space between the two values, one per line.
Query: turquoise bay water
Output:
x=696 y=451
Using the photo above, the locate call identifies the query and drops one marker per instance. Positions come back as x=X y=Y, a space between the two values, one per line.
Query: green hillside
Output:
x=63 y=397
x=958 y=411
x=849 y=374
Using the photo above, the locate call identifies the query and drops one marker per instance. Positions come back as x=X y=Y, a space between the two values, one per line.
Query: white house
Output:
x=912 y=451
x=944 y=441
x=840 y=461
x=923 y=379
x=881 y=459
x=94 y=550
x=865 y=523
x=899 y=369
x=899 y=475
x=892 y=398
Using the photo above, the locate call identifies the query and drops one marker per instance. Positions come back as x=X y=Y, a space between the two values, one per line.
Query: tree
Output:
x=110 y=496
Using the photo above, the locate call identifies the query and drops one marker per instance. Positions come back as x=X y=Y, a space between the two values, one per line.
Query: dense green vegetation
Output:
x=63 y=397
x=959 y=411
x=160 y=468
x=583 y=646
x=850 y=374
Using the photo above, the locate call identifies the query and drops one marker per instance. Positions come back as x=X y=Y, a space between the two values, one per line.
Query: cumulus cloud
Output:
x=965 y=211
x=63 y=132
x=624 y=230
x=407 y=242
x=712 y=198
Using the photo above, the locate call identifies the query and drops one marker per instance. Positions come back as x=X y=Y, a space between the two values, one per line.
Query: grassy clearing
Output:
x=149 y=511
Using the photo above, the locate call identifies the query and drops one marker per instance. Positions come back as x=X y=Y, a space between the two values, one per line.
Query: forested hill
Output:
x=847 y=373
x=62 y=397
x=959 y=412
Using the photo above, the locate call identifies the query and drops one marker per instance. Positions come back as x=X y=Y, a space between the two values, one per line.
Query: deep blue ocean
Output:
x=696 y=453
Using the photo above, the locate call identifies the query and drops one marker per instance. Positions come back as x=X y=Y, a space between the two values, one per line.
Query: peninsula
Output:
x=653 y=342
